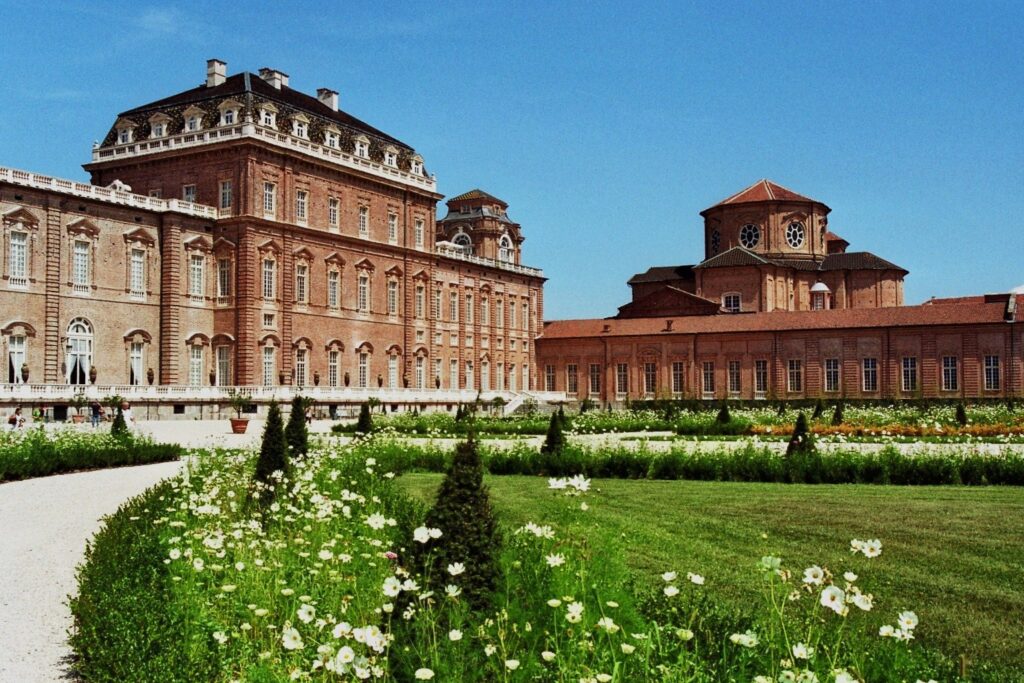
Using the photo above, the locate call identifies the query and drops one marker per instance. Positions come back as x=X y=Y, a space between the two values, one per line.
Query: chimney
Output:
x=274 y=77
x=328 y=97
x=216 y=72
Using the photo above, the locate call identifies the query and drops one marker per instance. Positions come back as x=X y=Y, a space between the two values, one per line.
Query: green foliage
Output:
x=587 y=404
x=723 y=416
x=554 y=441
x=961 y=415
x=469 y=533
x=837 y=414
x=119 y=428
x=272 y=463
x=38 y=453
x=295 y=433
x=365 y=423
x=239 y=402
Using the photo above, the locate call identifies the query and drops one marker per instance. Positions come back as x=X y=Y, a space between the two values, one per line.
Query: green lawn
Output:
x=954 y=555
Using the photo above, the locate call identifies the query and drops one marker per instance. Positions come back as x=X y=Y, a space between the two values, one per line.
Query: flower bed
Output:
x=192 y=582
x=38 y=453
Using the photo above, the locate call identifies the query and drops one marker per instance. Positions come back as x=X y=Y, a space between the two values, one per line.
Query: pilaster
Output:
x=170 y=300
x=51 y=329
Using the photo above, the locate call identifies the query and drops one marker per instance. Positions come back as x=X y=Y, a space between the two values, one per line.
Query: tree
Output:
x=469 y=532
x=119 y=429
x=365 y=424
x=554 y=441
x=819 y=409
x=961 y=414
x=837 y=414
x=295 y=433
x=273 y=455
x=723 y=416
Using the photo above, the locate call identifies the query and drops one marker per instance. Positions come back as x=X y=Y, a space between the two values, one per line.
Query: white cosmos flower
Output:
x=843 y=676
x=607 y=624
x=668 y=577
x=198 y=564
x=574 y=612
x=421 y=535
x=872 y=548
x=291 y=639
x=174 y=554
x=220 y=637
x=554 y=602
x=807 y=677
x=748 y=639
x=671 y=591
x=456 y=568
x=434 y=533
x=863 y=601
x=325 y=554
x=696 y=579
x=547 y=655
x=511 y=664
x=555 y=560
x=306 y=613
x=452 y=591
x=851 y=577
x=392 y=587
x=907 y=620
x=424 y=674
x=342 y=630
x=887 y=631
x=455 y=635
x=802 y=651
x=603 y=678
x=376 y=521
x=814 y=575
x=346 y=655
x=833 y=597
x=627 y=649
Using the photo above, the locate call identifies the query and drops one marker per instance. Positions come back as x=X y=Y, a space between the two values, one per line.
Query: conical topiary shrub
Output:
x=819 y=409
x=961 y=415
x=365 y=424
x=273 y=456
x=837 y=414
x=803 y=464
x=119 y=428
x=295 y=433
x=801 y=439
x=469 y=532
x=554 y=442
x=723 y=416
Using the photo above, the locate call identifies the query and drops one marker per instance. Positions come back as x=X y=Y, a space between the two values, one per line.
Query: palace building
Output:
x=780 y=308
x=244 y=233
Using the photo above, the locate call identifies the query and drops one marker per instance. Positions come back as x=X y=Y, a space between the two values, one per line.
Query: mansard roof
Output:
x=244 y=84
x=477 y=193
x=856 y=260
x=763 y=190
x=662 y=274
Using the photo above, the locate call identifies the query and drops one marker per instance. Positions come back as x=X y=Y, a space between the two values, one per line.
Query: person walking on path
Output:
x=16 y=420
x=95 y=413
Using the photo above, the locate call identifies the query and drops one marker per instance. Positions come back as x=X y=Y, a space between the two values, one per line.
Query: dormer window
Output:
x=193 y=119
x=300 y=127
x=158 y=125
x=227 y=118
x=125 y=132
x=416 y=165
x=362 y=147
x=391 y=157
x=332 y=139
x=192 y=123
x=268 y=116
x=159 y=130
x=505 y=249
x=229 y=112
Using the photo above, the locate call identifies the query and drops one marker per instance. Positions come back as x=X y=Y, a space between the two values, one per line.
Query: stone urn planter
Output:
x=24 y=372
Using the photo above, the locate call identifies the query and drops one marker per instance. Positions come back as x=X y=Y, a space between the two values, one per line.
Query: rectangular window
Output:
x=269 y=278
x=364 y=221
x=437 y=372
x=392 y=227
x=511 y=376
x=418 y=232
x=80 y=266
x=332 y=213
x=196 y=286
x=453 y=374
x=392 y=372
x=195 y=366
x=760 y=378
x=268 y=320
x=708 y=375
x=224 y=278
x=470 y=382
x=364 y=370
x=421 y=295
x=301 y=204
x=735 y=383
x=526 y=315
x=419 y=376
x=223 y=366
x=909 y=373
x=453 y=306
x=731 y=303
x=870 y=374
x=527 y=385
x=332 y=367
x=500 y=386
x=621 y=379
x=268 y=366
x=831 y=374
x=229 y=117
x=225 y=194
x=188 y=193
x=453 y=338
x=678 y=377
x=333 y=289
x=363 y=293
x=437 y=304
x=269 y=199
x=511 y=315
x=796 y=376
x=992 y=373
x=650 y=379
x=138 y=274
x=135 y=364
x=485 y=376
x=300 y=367
x=950 y=374
x=392 y=297
x=499 y=313
x=469 y=309
x=571 y=379
x=17 y=260
x=485 y=311
x=595 y=379
x=301 y=277
x=16 y=357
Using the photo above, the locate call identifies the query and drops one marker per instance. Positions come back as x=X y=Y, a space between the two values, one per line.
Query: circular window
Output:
x=795 y=234
x=716 y=241
x=750 y=235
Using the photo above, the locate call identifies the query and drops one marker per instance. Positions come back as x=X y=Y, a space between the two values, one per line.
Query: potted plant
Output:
x=24 y=372
x=78 y=401
x=150 y=376
x=92 y=374
x=239 y=402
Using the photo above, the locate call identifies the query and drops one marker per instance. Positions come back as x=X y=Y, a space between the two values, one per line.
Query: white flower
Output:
x=174 y=554
x=455 y=635
x=434 y=533
x=291 y=639
x=802 y=651
x=851 y=577
x=843 y=676
x=807 y=677
x=748 y=639
x=198 y=564
x=872 y=548
x=907 y=620
x=574 y=612
x=456 y=568
x=511 y=664
x=555 y=560
x=627 y=649
x=607 y=624
x=376 y=521
x=833 y=597
x=671 y=591
x=423 y=674
x=307 y=613
x=557 y=484
x=547 y=655
x=489 y=649
x=342 y=629
x=325 y=554
x=684 y=634
x=421 y=535
x=603 y=678
x=814 y=575
x=346 y=655
x=220 y=637
x=863 y=601
x=228 y=587
x=668 y=577
x=554 y=602
x=452 y=591
x=887 y=631
x=695 y=579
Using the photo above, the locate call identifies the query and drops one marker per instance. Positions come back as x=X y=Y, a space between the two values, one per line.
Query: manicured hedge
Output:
x=38 y=453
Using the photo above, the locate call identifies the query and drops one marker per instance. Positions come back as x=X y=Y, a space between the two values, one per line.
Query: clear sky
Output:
x=607 y=127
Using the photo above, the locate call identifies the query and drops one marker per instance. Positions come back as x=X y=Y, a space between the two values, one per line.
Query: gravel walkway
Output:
x=44 y=526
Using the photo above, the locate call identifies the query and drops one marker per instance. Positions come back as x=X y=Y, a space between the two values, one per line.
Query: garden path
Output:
x=44 y=526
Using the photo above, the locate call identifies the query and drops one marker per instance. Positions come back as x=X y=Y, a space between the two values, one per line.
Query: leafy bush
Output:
x=38 y=453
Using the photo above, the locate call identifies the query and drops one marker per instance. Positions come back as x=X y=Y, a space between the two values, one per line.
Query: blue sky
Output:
x=606 y=126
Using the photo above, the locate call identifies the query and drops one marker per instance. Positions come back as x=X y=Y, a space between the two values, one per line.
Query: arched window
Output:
x=463 y=241
x=505 y=249
x=79 y=351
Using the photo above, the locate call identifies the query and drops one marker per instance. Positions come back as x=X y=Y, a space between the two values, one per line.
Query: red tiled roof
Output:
x=779 y=321
x=477 y=194
x=763 y=190
x=832 y=237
